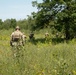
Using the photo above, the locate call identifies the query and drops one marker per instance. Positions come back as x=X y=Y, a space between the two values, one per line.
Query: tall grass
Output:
x=37 y=59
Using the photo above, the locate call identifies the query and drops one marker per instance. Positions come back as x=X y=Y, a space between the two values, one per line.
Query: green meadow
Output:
x=37 y=57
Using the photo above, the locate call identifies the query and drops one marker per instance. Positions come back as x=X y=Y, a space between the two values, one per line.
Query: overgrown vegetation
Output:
x=54 y=55
x=37 y=57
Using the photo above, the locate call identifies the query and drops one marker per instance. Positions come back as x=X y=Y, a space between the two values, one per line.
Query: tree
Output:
x=46 y=12
x=31 y=22
x=66 y=20
x=1 y=22
x=62 y=12
x=7 y=24
x=13 y=23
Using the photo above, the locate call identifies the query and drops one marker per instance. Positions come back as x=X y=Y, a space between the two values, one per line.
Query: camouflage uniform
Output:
x=46 y=35
x=31 y=36
x=16 y=37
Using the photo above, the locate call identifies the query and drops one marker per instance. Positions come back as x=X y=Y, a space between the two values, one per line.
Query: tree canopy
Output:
x=61 y=12
x=55 y=14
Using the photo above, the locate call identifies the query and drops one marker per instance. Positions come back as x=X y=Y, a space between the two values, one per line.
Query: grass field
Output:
x=38 y=57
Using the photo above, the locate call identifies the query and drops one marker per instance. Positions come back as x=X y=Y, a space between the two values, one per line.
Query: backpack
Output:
x=16 y=36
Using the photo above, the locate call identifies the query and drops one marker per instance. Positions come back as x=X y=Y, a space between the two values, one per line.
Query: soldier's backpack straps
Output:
x=16 y=36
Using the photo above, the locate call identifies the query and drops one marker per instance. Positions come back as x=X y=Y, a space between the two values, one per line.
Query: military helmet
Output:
x=17 y=27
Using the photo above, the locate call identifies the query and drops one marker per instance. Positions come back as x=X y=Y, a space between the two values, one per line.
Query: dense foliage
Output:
x=37 y=59
x=42 y=56
x=58 y=15
x=61 y=12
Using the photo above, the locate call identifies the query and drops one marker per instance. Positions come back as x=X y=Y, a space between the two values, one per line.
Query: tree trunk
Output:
x=67 y=33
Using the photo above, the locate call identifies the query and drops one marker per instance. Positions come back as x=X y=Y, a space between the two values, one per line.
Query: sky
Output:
x=16 y=9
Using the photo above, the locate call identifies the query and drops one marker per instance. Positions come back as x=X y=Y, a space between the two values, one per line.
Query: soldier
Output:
x=17 y=37
x=31 y=36
x=57 y=34
x=46 y=35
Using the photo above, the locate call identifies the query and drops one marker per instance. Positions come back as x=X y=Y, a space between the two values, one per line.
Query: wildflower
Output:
x=74 y=72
